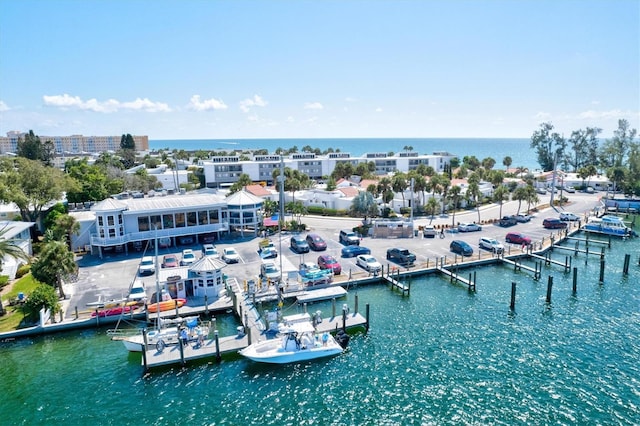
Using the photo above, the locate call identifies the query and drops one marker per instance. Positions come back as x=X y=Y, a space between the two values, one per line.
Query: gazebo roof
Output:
x=207 y=264
x=243 y=198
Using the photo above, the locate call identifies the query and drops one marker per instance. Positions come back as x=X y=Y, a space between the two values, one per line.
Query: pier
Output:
x=517 y=266
x=548 y=261
x=454 y=277
x=395 y=282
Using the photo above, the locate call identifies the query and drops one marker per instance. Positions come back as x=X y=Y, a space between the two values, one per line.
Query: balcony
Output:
x=151 y=235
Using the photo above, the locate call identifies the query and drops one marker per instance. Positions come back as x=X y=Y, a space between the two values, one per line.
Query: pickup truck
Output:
x=266 y=249
x=401 y=256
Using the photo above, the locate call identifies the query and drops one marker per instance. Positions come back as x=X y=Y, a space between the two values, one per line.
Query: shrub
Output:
x=330 y=212
x=315 y=210
x=23 y=270
x=4 y=280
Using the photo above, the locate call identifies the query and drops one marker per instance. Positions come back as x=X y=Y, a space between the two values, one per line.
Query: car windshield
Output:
x=270 y=268
x=230 y=251
x=136 y=290
x=147 y=262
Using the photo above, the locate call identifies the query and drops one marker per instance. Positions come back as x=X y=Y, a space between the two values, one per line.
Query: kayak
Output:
x=166 y=305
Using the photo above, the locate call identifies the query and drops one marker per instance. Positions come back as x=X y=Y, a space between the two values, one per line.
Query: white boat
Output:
x=608 y=225
x=295 y=343
x=166 y=334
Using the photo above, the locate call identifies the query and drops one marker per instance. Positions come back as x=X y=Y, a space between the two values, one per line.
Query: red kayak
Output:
x=113 y=311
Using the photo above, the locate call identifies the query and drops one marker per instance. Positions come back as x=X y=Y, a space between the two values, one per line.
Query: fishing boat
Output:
x=295 y=343
x=608 y=225
x=166 y=334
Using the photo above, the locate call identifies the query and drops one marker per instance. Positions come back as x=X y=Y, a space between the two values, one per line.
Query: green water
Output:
x=441 y=356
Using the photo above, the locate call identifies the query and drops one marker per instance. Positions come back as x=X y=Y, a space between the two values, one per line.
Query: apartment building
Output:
x=74 y=144
x=225 y=170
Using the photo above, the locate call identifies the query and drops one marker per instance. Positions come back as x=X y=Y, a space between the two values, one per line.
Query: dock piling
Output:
x=602 y=270
x=217 y=339
x=625 y=268
x=549 y=286
x=575 y=280
x=366 y=326
x=355 y=308
x=512 y=305
x=76 y=311
x=144 y=350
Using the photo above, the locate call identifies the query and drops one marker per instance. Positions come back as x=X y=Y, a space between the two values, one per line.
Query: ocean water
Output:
x=498 y=149
x=440 y=356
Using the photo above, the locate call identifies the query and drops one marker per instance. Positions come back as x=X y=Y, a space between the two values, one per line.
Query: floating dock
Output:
x=334 y=292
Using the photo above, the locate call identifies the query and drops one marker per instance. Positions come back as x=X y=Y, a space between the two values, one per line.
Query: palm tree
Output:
x=431 y=207
x=54 y=264
x=500 y=195
x=506 y=162
x=454 y=195
x=8 y=248
x=520 y=194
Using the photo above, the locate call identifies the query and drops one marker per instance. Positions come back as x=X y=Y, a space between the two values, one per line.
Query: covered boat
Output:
x=166 y=334
x=608 y=225
x=295 y=343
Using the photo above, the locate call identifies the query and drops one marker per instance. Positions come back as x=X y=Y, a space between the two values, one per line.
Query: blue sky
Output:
x=317 y=69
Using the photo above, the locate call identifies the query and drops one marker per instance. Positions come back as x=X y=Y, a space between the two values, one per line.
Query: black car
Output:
x=299 y=244
x=507 y=221
x=461 y=247
x=553 y=223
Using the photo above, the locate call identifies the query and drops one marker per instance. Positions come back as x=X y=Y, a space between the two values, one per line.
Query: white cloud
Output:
x=615 y=113
x=378 y=109
x=111 y=105
x=542 y=116
x=256 y=101
x=290 y=119
x=208 y=104
x=350 y=99
x=595 y=102
x=4 y=107
x=313 y=105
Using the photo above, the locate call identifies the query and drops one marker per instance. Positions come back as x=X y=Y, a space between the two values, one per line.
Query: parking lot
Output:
x=111 y=276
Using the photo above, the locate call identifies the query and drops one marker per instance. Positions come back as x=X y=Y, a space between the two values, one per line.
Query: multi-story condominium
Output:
x=74 y=144
x=224 y=171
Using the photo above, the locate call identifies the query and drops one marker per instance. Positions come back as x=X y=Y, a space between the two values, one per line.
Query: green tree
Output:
x=506 y=162
x=331 y=184
x=385 y=189
x=473 y=191
x=43 y=296
x=127 y=142
x=520 y=194
x=64 y=227
x=55 y=264
x=399 y=184
x=30 y=147
x=364 y=205
x=243 y=180
x=31 y=186
x=615 y=150
x=500 y=195
x=432 y=207
x=584 y=148
x=549 y=146
x=8 y=248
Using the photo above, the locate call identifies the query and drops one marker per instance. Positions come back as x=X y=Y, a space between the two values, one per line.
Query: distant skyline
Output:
x=318 y=69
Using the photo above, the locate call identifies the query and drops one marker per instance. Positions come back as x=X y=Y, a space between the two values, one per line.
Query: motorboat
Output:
x=608 y=225
x=166 y=334
x=295 y=343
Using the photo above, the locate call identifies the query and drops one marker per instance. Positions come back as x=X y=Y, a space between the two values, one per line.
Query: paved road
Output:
x=110 y=277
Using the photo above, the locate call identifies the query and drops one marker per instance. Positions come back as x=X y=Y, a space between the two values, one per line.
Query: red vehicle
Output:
x=517 y=238
x=554 y=223
x=170 y=261
x=329 y=262
x=316 y=242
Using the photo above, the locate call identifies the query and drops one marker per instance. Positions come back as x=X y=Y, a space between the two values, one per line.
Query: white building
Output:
x=19 y=234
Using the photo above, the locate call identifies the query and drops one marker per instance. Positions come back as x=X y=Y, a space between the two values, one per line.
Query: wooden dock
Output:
x=470 y=283
x=334 y=292
x=517 y=266
x=395 y=282
x=548 y=261
x=588 y=241
x=576 y=250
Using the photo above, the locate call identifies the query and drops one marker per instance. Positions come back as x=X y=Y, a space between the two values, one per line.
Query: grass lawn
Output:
x=14 y=316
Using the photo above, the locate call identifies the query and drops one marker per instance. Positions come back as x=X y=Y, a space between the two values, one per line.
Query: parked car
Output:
x=137 y=292
x=469 y=227
x=327 y=261
x=553 y=223
x=147 y=266
x=460 y=247
x=348 y=238
x=491 y=244
x=307 y=268
x=569 y=189
x=299 y=244
x=368 y=262
x=352 y=251
x=316 y=242
x=429 y=231
x=169 y=261
x=569 y=216
x=269 y=271
x=507 y=221
x=230 y=255
x=187 y=257
x=522 y=218
x=209 y=250
x=541 y=191
x=401 y=256
x=186 y=240
x=164 y=242
x=517 y=238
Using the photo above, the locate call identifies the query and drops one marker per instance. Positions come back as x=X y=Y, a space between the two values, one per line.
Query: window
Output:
x=112 y=233
x=167 y=221
x=155 y=221
x=203 y=218
x=110 y=221
x=191 y=219
x=100 y=221
x=119 y=219
x=213 y=216
x=143 y=224
x=180 y=220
